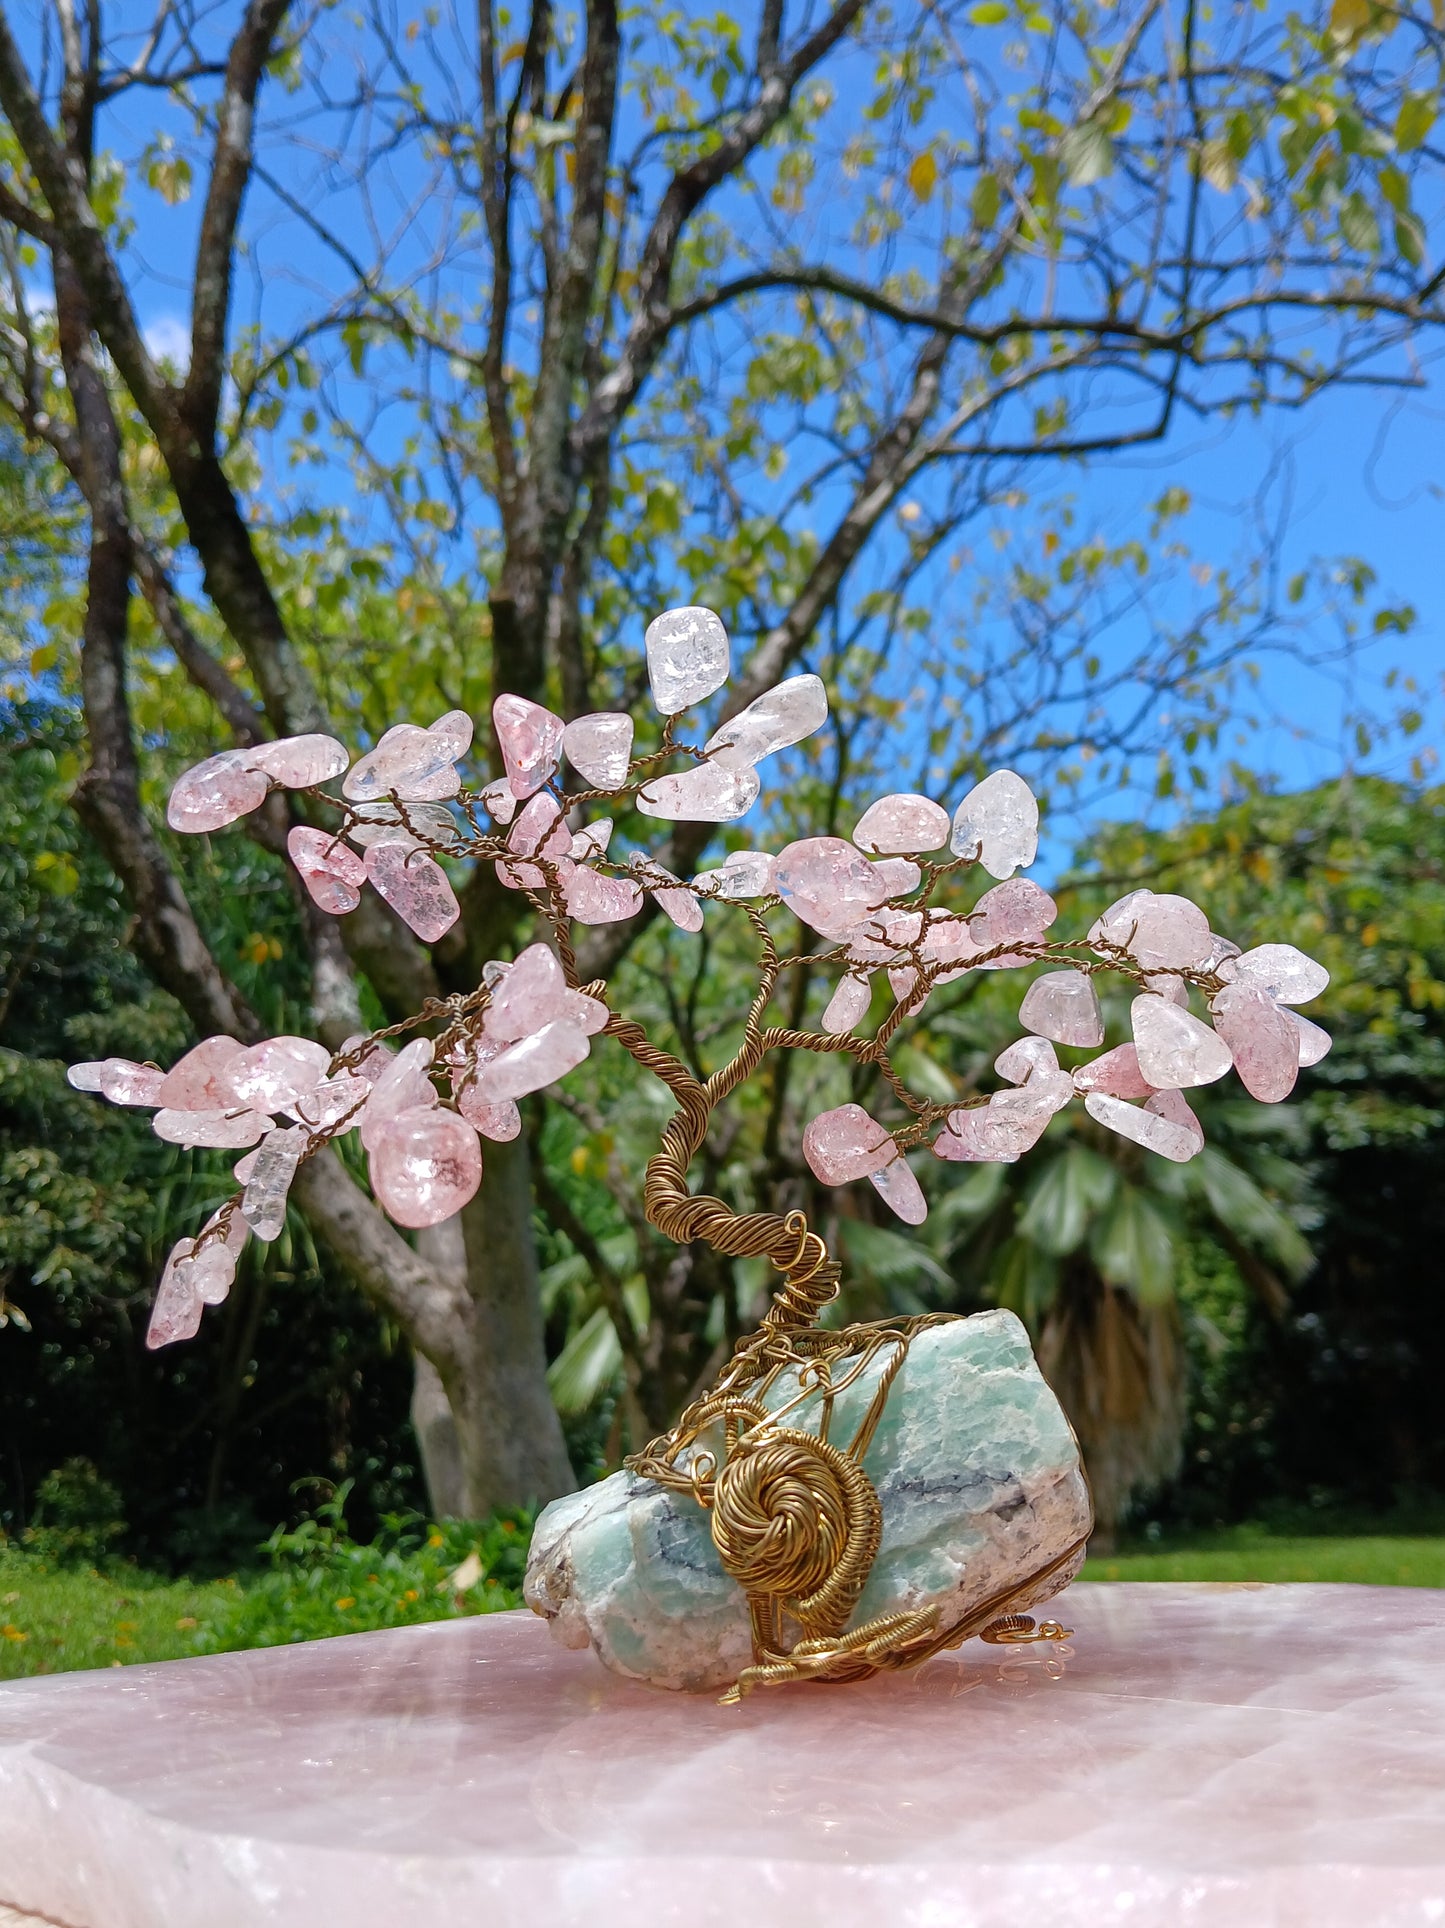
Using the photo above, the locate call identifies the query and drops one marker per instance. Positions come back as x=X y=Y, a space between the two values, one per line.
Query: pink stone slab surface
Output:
x=1217 y=1756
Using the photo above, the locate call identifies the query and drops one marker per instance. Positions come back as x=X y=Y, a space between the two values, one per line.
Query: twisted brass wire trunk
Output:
x=795 y=1518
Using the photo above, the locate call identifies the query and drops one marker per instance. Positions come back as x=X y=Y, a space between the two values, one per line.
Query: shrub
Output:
x=77 y=1517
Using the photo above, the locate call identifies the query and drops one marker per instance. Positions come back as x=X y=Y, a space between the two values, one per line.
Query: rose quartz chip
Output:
x=1174 y=1106
x=536 y=1061
x=426 y=1164
x=299 y=762
x=1064 y=1006
x=331 y=872
x=497 y=1122
x=1116 y=1073
x=902 y=825
x=214 y=1129
x=599 y=747
x=216 y=792
x=848 y=1005
x=1024 y=1057
x=1167 y=1136
x=453 y=733
x=270 y=1076
x=828 y=883
x=264 y=1204
x=1285 y=973
x=401 y=1085
x=687 y=657
x=332 y=1100
x=412 y=824
x=1012 y=912
x=591 y=840
x=541 y=831
x=1011 y=1123
x=594 y=899
x=530 y=995
x=531 y=742
x=416 y=888
x=1159 y=932
x=500 y=800
x=742 y=873
x=1263 y=1038
x=176 y=1313
x=779 y=717
x=123 y=1082
x=1167 y=985
x=408 y=762
x=681 y=906
x=897 y=876
x=1314 y=1040
x=1175 y=1049
x=845 y=1143
x=900 y=1191
x=707 y=793
x=998 y=823
x=244 y=1166
x=200 y=1080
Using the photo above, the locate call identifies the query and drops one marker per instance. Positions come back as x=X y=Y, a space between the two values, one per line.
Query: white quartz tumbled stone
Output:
x=998 y=823
x=778 y=718
x=1064 y=1006
x=599 y=747
x=902 y=825
x=1281 y=970
x=687 y=657
x=1175 y=1050
x=707 y=793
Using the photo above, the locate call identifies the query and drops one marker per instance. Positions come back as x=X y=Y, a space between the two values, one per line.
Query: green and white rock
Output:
x=978 y=1475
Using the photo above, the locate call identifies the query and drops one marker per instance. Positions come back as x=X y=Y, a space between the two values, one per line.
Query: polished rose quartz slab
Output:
x=1207 y=1754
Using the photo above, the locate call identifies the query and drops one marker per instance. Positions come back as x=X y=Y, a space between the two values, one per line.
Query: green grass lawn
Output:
x=1251 y=1553
x=54 y=1620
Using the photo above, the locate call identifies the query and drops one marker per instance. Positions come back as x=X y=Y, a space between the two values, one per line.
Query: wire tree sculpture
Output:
x=879 y=903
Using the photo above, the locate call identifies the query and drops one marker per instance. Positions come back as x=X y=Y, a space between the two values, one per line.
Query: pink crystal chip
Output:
x=531 y=993
x=1263 y=1037
x=900 y=1191
x=599 y=747
x=120 y=1080
x=416 y=888
x=1159 y=1126
x=332 y=873
x=778 y=718
x=216 y=793
x=531 y=742
x=845 y=1143
x=426 y=1164
x=1175 y=1049
x=594 y=899
x=299 y=762
x=902 y=825
x=408 y=762
x=1012 y=912
x=707 y=793
x=1116 y=1073
x=271 y=1076
x=848 y=1005
x=1064 y=1006
x=688 y=657
x=533 y=1062
x=828 y=883
x=200 y=1080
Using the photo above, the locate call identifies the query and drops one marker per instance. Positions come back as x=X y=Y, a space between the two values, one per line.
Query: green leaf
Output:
x=1133 y=1246
x=1414 y=121
x=1358 y=224
x=986 y=199
x=1219 y=165
x=1410 y=238
x=988 y=13
x=1065 y=1198
x=889 y=1258
x=586 y=1365
x=1087 y=153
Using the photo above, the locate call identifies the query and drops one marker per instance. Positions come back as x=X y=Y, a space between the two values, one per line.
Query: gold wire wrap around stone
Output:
x=795 y=1519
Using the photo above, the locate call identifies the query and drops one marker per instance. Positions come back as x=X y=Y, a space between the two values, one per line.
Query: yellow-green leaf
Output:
x=923 y=175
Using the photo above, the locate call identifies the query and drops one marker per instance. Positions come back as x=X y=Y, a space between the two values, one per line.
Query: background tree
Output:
x=752 y=308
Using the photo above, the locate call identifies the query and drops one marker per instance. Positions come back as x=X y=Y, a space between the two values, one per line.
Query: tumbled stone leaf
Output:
x=846 y=1143
x=1166 y=985
x=453 y=733
x=1283 y=972
x=674 y=899
x=830 y=884
x=299 y=762
x=1064 y=1006
x=200 y=1080
x=332 y=1100
x=1012 y=912
x=125 y=1083
x=1175 y=1050
x=1024 y=1057
x=1314 y=1040
x=902 y=825
x=270 y=1076
x=1011 y=1123
x=1174 y=1106
x=499 y=1122
x=687 y=657
x=781 y=716
x=416 y=888
x=532 y=993
x=425 y=1165
x=1158 y=930
x=332 y=873
x=980 y=1484
x=900 y=1191
x=416 y=825
x=1115 y=1072
x=707 y=793
x=500 y=800
x=263 y=1205
x=742 y=873
x=1263 y=1039
x=593 y=898
x=213 y=1129
x=409 y=762
x=530 y=738
x=216 y=792
x=1144 y=1127
x=599 y=747
x=848 y=1005
x=86 y=1075
x=591 y=840
x=402 y=1084
x=534 y=1062
x=998 y=823
x=897 y=876
x=176 y=1313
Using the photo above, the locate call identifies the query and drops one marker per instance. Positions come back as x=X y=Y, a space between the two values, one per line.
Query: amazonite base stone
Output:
x=976 y=1468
